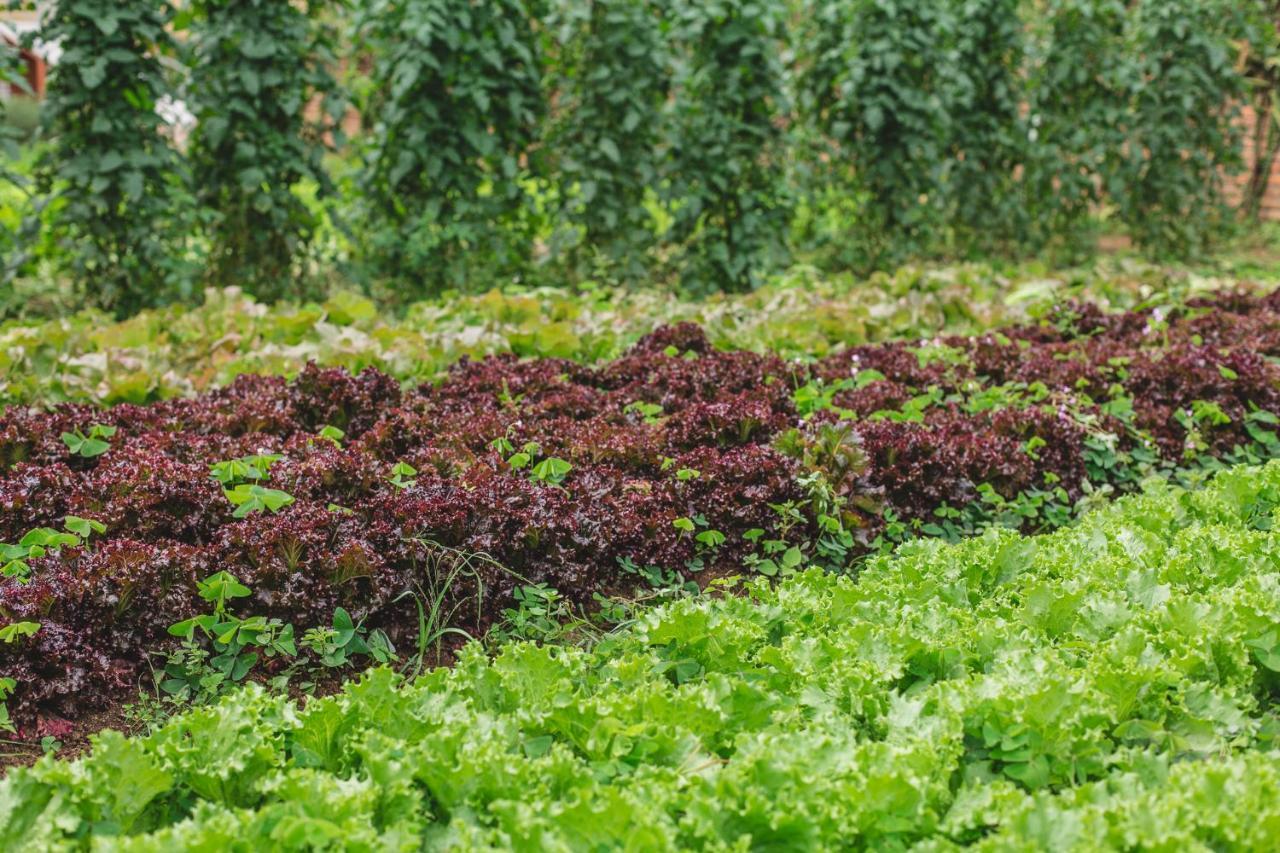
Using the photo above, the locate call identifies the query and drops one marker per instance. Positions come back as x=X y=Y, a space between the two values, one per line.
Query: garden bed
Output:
x=1108 y=682
x=673 y=462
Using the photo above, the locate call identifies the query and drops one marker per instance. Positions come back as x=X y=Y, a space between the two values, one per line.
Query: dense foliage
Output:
x=453 y=112
x=727 y=183
x=114 y=182
x=1109 y=685
x=255 y=68
x=1177 y=137
x=673 y=461
x=701 y=143
x=90 y=358
x=610 y=79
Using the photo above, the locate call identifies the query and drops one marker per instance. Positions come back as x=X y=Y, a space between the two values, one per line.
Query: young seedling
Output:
x=541 y=615
x=332 y=433
x=192 y=672
x=651 y=413
x=253 y=468
x=42 y=540
x=91 y=445
x=251 y=498
x=83 y=527
x=779 y=557
x=402 y=475
x=11 y=634
x=7 y=686
x=550 y=470
x=337 y=645
x=707 y=540
x=521 y=458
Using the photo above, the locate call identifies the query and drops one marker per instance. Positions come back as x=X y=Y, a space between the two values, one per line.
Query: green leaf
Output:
x=222 y=586
x=83 y=527
x=551 y=470
x=792 y=557
x=12 y=632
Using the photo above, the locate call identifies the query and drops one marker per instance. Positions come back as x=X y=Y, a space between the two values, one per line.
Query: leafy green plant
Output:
x=776 y=556
x=332 y=434
x=337 y=645
x=1026 y=689
x=12 y=633
x=218 y=648
x=402 y=475
x=541 y=615
x=83 y=527
x=115 y=204
x=651 y=413
x=255 y=467
x=91 y=445
x=443 y=190
x=253 y=69
x=250 y=498
x=551 y=470
x=657 y=578
x=6 y=689
x=521 y=458
x=706 y=539
x=42 y=540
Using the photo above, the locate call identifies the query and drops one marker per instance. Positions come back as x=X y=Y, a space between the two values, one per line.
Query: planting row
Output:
x=178 y=351
x=1109 y=685
x=337 y=497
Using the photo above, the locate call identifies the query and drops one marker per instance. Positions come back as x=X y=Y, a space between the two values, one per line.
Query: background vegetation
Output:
x=700 y=144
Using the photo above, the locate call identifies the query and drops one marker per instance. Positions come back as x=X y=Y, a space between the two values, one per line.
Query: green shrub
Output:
x=255 y=66
x=989 y=137
x=1179 y=127
x=453 y=114
x=878 y=84
x=1077 y=99
x=610 y=75
x=727 y=190
x=115 y=187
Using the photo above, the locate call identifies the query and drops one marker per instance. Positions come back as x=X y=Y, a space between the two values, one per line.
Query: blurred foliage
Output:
x=255 y=65
x=701 y=144
x=86 y=357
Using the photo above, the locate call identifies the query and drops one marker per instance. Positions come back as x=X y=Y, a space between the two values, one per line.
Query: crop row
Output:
x=1110 y=682
x=674 y=461
x=89 y=358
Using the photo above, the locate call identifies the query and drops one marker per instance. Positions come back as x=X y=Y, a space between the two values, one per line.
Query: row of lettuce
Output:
x=279 y=507
x=89 y=357
x=1111 y=685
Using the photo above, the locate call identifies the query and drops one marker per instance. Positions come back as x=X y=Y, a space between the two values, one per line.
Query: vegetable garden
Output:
x=545 y=466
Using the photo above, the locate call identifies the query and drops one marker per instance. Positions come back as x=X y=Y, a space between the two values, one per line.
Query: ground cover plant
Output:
x=1109 y=685
x=88 y=357
x=675 y=462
